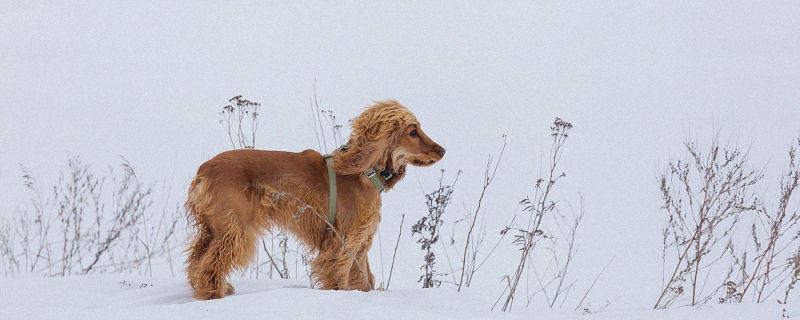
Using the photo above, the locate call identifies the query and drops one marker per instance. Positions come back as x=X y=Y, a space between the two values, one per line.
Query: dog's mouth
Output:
x=420 y=163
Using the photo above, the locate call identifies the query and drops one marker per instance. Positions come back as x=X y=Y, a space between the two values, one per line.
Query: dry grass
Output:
x=83 y=228
x=473 y=241
x=243 y=114
x=707 y=197
x=530 y=232
x=428 y=228
x=780 y=233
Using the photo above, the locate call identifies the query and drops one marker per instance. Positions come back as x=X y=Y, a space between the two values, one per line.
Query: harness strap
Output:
x=331 y=189
x=371 y=173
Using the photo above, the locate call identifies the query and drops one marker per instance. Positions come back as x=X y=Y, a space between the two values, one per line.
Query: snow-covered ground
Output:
x=117 y=296
x=104 y=79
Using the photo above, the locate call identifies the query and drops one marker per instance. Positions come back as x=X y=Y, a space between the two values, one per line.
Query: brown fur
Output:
x=232 y=201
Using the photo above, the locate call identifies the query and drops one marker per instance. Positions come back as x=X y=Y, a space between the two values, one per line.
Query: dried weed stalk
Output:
x=781 y=228
x=83 y=229
x=473 y=241
x=244 y=114
x=428 y=229
x=562 y=247
x=302 y=208
x=705 y=195
x=317 y=115
x=528 y=235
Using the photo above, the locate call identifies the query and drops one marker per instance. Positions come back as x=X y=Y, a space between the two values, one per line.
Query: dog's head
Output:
x=389 y=135
x=415 y=148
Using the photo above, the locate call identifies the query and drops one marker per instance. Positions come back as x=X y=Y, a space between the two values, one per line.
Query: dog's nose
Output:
x=441 y=151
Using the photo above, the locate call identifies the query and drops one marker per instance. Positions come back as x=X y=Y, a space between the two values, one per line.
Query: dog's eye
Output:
x=414 y=133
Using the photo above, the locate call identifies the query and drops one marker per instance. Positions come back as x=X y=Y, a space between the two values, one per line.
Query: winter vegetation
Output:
x=668 y=190
x=81 y=230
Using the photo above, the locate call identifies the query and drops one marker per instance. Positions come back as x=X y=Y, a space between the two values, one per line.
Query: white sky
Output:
x=146 y=81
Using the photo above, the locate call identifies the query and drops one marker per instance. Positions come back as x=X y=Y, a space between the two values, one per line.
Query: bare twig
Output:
x=428 y=229
x=593 y=283
x=277 y=196
x=75 y=232
x=705 y=196
x=486 y=182
x=403 y=218
x=539 y=206
x=272 y=260
x=243 y=109
x=315 y=113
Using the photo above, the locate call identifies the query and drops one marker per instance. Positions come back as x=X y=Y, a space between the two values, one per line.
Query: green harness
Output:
x=371 y=173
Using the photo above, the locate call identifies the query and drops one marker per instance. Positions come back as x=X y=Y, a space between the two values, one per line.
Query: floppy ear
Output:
x=369 y=143
x=374 y=133
x=361 y=156
x=369 y=129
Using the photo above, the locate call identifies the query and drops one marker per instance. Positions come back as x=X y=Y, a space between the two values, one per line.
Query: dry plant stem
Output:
x=380 y=254
x=163 y=222
x=42 y=223
x=507 y=279
x=428 y=228
x=494 y=248
x=146 y=245
x=280 y=195
x=283 y=244
x=335 y=128
x=699 y=220
x=316 y=115
x=672 y=278
x=794 y=264
x=562 y=271
x=391 y=269
x=131 y=201
x=528 y=241
x=317 y=120
x=778 y=226
x=449 y=262
x=540 y=281
x=76 y=232
x=487 y=180
x=539 y=207
x=243 y=109
x=592 y=286
x=264 y=244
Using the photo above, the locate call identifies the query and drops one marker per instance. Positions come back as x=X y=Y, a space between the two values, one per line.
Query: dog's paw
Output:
x=229 y=290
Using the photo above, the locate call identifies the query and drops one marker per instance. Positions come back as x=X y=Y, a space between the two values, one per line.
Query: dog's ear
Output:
x=374 y=134
x=361 y=156
x=369 y=127
x=381 y=120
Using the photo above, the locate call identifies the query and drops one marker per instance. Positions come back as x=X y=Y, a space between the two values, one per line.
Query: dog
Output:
x=239 y=194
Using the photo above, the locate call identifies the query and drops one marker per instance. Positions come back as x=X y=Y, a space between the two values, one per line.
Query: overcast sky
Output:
x=106 y=79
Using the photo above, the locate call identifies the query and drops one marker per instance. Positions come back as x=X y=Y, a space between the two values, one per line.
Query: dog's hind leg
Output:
x=232 y=247
x=196 y=251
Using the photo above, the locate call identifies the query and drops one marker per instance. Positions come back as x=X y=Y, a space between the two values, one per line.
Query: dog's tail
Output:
x=196 y=201
x=197 y=225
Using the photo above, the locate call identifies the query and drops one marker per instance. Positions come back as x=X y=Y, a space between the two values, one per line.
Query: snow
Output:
x=102 y=80
x=118 y=296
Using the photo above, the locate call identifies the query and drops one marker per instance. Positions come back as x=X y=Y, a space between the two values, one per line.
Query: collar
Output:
x=332 y=192
x=371 y=174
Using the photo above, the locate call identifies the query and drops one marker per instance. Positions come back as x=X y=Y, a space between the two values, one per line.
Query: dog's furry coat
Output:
x=235 y=197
